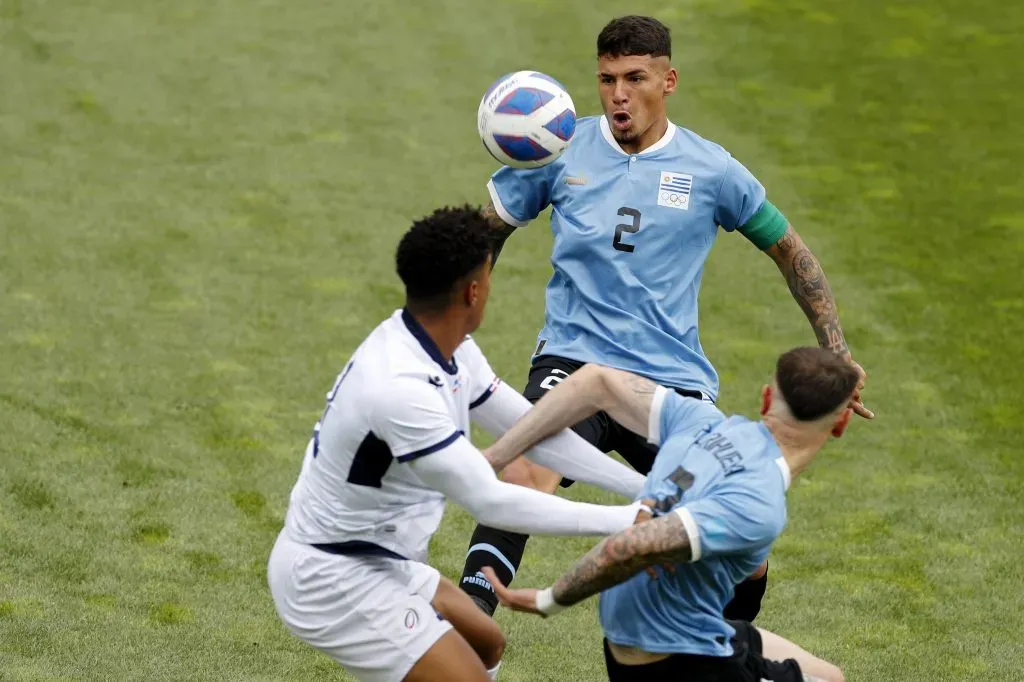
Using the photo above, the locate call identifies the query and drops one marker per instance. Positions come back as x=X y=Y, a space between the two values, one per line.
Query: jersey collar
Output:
x=787 y=475
x=606 y=133
x=417 y=330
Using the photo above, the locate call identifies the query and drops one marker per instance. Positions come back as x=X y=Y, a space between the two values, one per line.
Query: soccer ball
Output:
x=526 y=119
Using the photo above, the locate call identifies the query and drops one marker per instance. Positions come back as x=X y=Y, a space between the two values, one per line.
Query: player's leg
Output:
x=766 y=656
x=450 y=659
x=478 y=629
x=369 y=614
x=503 y=550
x=775 y=649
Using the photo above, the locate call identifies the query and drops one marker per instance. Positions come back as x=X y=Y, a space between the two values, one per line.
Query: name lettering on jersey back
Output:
x=722 y=449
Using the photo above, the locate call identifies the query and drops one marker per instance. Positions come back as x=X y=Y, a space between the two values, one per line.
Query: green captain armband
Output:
x=765 y=227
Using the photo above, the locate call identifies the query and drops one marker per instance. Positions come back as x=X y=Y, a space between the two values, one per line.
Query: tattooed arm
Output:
x=500 y=231
x=809 y=286
x=616 y=559
x=627 y=398
x=621 y=556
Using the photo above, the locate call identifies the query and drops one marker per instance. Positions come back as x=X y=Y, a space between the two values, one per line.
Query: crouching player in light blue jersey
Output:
x=637 y=203
x=718 y=487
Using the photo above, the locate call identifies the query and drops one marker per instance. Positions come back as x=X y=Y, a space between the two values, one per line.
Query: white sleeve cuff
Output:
x=546 y=603
x=500 y=208
x=690 y=524
x=654 y=418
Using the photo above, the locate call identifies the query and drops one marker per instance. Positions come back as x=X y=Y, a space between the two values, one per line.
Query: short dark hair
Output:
x=634 y=35
x=814 y=381
x=438 y=251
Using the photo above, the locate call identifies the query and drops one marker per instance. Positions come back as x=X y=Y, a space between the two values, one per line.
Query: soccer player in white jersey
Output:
x=348 y=573
x=637 y=203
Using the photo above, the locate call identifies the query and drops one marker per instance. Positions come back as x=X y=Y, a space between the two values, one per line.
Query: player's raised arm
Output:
x=565 y=452
x=627 y=398
x=500 y=231
x=743 y=206
x=810 y=288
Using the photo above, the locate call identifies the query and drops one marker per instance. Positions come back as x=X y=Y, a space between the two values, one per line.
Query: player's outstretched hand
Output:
x=856 y=404
x=524 y=600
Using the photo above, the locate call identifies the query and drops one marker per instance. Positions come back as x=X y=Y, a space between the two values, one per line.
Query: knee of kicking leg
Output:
x=835 y=674
x=529 y=475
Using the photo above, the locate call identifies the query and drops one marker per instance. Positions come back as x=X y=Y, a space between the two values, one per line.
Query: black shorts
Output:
x=599 y=430
x=745 y=665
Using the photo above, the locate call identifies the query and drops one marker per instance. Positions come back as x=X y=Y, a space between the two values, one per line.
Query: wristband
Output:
x=546 y=603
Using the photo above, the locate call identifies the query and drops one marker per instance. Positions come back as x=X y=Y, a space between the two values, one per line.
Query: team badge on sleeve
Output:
x=674 y=190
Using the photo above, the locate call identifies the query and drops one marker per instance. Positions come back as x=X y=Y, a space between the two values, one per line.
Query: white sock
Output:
x=493 y=672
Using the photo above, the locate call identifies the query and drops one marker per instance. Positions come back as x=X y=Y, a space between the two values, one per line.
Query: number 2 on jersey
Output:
x=623 y=227
x=330 y=401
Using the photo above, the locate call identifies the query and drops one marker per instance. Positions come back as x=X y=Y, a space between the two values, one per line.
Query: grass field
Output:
x=199 y=203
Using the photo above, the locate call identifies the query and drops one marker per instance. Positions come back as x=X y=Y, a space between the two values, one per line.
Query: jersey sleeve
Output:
x=734 y=519
x=739 y=198
x=519 y=195
x=411 y=418
x=672 y=413
x=483 y=382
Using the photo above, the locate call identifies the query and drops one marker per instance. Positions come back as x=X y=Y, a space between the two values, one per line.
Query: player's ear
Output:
x=842 y=422
x=766 y=399
x=671 y=81
x=471 y=293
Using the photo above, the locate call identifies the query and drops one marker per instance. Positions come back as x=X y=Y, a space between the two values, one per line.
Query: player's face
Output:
x=633 y=91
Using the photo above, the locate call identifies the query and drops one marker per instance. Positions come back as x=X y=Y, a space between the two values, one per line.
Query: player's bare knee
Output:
x=835 y=675
x=825 y=672
x=519 y=472
x=493 y=646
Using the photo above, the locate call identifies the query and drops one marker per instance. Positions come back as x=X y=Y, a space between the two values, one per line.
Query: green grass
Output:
x=198 y=211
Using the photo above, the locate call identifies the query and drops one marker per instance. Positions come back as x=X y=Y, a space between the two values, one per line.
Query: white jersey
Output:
x=382 y=412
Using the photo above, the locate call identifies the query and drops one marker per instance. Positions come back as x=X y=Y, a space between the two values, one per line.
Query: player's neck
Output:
x=445 y=332
x=650 y=137
x=798 y=446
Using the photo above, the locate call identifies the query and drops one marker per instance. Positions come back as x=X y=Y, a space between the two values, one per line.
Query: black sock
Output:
x=746 y=602
x=499 y=549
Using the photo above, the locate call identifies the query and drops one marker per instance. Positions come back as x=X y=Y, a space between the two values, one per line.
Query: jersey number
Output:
x=683 y=481
x=623 y=227
x=330 y=401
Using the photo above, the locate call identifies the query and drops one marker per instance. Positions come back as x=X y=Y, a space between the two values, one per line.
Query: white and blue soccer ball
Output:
x=526 y=119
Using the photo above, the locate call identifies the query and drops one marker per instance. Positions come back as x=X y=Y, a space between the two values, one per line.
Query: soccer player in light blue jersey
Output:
x=718 y=490
x=637 y=203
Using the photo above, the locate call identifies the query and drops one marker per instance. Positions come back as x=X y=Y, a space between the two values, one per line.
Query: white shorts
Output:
x=370 y=614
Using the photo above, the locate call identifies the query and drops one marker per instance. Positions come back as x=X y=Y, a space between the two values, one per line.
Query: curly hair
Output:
x=438 y=251
x=634 y=35
x=814 y=381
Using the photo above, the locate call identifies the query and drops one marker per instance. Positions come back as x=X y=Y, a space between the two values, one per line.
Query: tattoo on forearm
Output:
x=618 y=557
x=500 y=231
x=809 y=286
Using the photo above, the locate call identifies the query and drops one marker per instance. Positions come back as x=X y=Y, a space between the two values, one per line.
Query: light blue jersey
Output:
x=729 y=477
x=631 y=234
